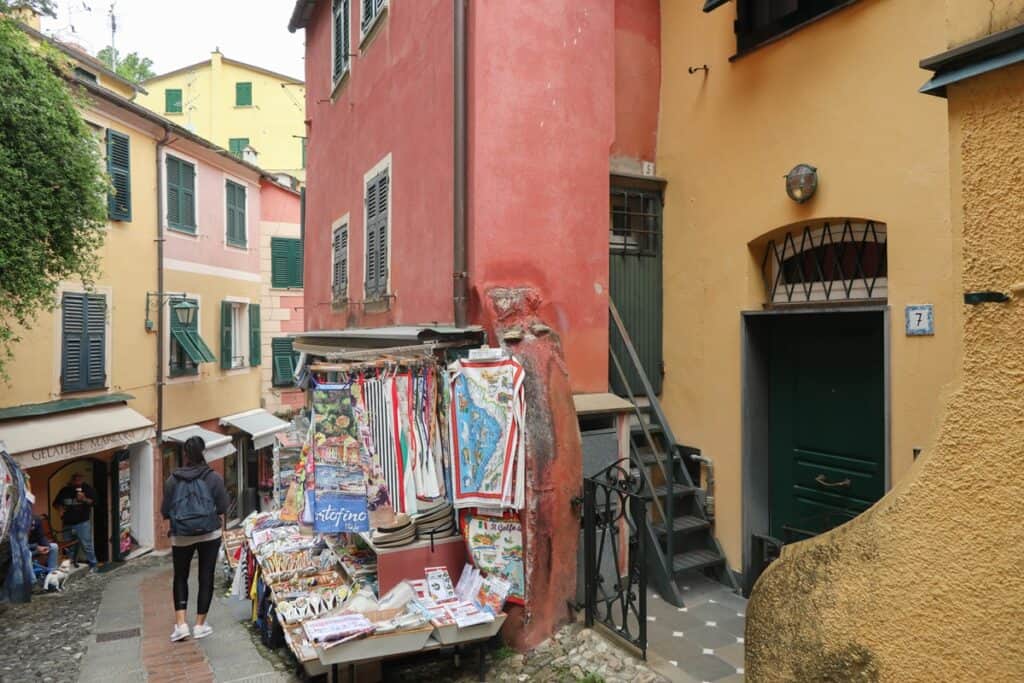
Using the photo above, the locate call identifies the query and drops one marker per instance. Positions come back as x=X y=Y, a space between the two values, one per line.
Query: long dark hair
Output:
x=194 y=447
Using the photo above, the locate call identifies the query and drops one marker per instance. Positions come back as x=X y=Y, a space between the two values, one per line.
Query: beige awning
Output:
x=217 y=445
x=258 y=423
x=40 y=440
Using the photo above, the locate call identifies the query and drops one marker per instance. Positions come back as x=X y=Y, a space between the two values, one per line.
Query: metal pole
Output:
x=589 y=551
x=160 y=290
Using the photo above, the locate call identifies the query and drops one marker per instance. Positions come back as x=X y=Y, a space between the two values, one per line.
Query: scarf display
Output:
x=342 y=464
x=17 y=585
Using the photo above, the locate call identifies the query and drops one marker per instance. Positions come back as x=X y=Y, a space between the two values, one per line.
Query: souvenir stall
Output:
x=398 y=530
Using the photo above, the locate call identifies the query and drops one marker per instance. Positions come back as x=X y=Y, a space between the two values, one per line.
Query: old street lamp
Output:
x=185 y=312
x=801 y=182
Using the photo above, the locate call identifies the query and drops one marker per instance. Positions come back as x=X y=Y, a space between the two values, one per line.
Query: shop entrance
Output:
x=96 y=475
x=815 y=422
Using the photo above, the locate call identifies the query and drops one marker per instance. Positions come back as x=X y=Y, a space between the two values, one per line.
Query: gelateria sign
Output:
x=75 y=449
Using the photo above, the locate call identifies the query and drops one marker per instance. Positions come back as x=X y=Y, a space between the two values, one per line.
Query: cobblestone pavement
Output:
x=45 y=639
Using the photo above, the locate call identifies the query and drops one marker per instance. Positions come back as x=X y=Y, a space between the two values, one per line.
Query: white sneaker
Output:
x=180 y=632
x=201 y=631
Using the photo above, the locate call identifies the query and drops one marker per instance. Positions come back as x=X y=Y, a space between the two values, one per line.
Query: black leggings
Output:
x=182 y=556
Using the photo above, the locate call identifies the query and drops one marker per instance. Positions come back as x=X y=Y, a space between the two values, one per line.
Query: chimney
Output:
x=249 y=154
x=28 y=16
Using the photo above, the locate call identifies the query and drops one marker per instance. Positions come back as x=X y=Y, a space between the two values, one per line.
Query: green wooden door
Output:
x=634 y=278
x=827 y=420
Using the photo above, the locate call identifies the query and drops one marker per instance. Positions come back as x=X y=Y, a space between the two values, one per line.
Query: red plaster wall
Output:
x=542 y=117
x=637 y=77
x=278 y=205
x=397 y=99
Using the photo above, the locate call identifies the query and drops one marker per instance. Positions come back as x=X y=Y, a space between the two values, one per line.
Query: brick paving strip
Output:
x=163 y=660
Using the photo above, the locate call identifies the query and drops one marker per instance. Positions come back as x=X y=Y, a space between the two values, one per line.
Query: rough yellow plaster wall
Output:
x=928 y=585
x=968 y=20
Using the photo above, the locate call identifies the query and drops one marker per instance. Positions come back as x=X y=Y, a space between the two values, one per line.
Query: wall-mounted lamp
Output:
x=184 y=311
x=801 y=182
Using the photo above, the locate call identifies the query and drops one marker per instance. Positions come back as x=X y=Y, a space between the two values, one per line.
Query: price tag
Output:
x=920 y=321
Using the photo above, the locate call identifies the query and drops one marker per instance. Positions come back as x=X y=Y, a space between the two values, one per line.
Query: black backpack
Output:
x=193 y=512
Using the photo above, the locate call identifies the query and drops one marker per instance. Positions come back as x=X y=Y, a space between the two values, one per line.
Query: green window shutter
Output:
x=279 y=256
x=235 y=212
x=296 y=263
x=96 y=341
x=119 y=202
x=225 y=335
x=172 y=101
x=188 y=195
x=284 y=361
x=73 y=342
x=342 y=37
x=255 y=340
x=237 y=145
x=243 y=94
x=377 y=199
x=339 y=275
x=173 y=193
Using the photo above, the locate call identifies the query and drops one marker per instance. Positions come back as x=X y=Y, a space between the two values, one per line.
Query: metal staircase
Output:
x=680 y=537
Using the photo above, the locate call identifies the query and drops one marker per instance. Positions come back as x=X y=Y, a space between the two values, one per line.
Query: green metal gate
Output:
x=634 y=275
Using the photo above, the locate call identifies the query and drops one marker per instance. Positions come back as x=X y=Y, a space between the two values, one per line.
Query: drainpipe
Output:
x=160 y=289
x=460 y=275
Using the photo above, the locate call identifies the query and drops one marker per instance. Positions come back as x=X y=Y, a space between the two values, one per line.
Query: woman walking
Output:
x=194 y=500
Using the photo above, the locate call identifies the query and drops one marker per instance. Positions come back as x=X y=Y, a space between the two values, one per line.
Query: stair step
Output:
x=686 y=523
x=677 y=489
x=695 y=559
x=648 y=458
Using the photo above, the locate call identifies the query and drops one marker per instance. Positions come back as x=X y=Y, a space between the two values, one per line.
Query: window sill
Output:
x=85 y=390
x=173 y=113
x=184 y=231
x=245 y=106
x=367 y=35
x=275 y=288
x=378 y=304
x=779 y=36
x=175 y=374
x=237 y=245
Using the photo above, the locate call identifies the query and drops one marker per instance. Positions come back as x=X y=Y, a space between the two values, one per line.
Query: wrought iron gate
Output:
x=614 y=551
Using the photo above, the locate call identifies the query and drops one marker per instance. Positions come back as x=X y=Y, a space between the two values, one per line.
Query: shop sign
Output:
x=124 y=506
x=74 y=449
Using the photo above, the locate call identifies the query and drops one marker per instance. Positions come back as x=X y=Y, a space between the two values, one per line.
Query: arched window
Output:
x=831 y=261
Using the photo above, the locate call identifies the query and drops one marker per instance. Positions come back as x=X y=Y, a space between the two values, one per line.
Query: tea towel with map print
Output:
x=487 y=418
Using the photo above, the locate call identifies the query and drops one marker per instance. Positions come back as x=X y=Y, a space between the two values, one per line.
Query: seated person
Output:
x=44 y=551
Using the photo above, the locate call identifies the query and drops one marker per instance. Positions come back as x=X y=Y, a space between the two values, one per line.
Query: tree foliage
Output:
x=53 y=186
x=130 y=66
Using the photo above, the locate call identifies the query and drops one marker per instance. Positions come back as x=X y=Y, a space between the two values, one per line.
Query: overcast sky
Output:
x=174 y=34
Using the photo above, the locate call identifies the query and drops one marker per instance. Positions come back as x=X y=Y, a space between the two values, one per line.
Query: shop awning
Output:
x=60 y=436
x=193 y=345
x=258 y=423
x=217 y=445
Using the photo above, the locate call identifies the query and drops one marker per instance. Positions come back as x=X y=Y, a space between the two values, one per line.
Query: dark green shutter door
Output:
x=96 y=341
x=383 y=196
x=225 y=335
x=73 y=373
x=172 y=101
x=255 y=341
x=284 y=361
x=279 y=256
x=173 y=193
x=119 y=202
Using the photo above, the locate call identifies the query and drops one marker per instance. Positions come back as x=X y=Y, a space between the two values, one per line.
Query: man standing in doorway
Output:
x=75 y=503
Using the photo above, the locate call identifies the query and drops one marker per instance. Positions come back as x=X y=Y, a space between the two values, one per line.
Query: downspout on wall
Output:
x=460 y=276
x=160 y=287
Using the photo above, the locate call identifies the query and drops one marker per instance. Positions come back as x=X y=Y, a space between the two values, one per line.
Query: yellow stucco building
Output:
x=905 y=592
x=237 y=106
x=791 y=361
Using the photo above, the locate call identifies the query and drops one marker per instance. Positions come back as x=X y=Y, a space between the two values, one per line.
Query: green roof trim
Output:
x=63 y=405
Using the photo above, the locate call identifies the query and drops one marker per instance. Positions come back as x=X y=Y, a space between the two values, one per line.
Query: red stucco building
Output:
x=556 y=99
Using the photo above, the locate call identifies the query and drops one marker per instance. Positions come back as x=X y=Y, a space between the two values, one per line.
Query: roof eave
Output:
x=301 y=13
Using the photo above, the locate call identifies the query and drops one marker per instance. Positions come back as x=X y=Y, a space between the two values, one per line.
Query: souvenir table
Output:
x=398 y=530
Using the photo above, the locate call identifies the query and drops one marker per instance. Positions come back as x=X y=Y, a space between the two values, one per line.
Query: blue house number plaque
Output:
x=920 y=321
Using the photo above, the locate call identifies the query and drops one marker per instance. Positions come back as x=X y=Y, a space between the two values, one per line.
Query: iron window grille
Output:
x=635 y=222
x=827 y=262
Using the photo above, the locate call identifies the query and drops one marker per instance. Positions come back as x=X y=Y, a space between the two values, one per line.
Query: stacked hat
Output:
x=398 y=533
x=436 y=521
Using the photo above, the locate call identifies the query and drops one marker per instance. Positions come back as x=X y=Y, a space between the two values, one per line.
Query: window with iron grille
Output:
x=759 y=22
x=342 y=32
x=831 y=261
x=339 y=264
x=372 y=10
x=635 y=222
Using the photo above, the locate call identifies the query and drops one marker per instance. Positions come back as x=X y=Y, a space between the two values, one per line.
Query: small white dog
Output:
x=55 y=581
x=65 y=566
